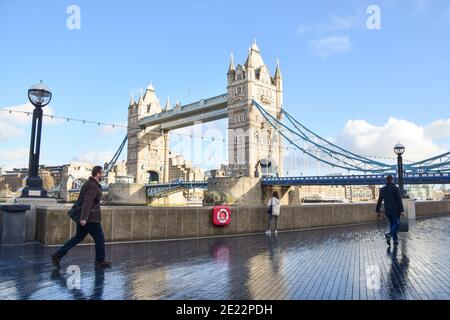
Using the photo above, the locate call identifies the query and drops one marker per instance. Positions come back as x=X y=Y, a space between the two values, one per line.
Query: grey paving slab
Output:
x=349 y=263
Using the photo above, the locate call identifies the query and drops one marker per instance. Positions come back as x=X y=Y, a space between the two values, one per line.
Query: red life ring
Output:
x=221 y=216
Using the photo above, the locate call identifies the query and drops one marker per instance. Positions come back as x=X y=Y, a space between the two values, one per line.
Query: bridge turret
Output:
x=140 y=104
x=277 y=75
x=132 y=102
x=147 y=148
x=150 y=102
x=231 y=70
x=278 y=80
x=250 y=139
x=167 y=106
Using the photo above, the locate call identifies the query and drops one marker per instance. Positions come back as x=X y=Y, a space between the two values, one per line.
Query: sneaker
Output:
x=56 y=260
x=268 y=232
x=388 y=239
x=103 y=264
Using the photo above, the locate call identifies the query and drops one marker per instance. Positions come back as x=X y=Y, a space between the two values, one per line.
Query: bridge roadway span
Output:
x=410 y=179
x=204 y=110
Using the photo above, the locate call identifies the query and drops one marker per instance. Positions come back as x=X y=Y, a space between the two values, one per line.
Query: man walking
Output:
x=90 y=198
x=393 y=207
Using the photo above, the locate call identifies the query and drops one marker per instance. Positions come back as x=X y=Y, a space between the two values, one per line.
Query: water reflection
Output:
x=274 y=253
x=221 y=253
x=398 y=274
x=266 y=269
x=60 y=279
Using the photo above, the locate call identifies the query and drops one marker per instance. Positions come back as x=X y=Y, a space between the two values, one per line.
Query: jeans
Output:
x=270 y=220
x=394 y=223
x=96 y=231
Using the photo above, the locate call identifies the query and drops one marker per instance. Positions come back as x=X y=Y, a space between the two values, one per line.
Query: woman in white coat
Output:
x=274 y=212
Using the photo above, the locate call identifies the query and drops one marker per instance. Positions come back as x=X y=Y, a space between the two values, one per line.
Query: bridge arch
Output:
x=153 y=176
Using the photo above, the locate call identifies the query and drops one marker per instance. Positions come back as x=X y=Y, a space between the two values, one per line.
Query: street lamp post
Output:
x=40 y=96
x=399 y=149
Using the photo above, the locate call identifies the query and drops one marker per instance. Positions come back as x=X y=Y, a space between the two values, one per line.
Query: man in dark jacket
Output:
x=90 y=221
x=393 y=207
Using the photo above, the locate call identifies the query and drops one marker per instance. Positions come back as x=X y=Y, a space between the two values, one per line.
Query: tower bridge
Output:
x=258 y=130
x=250 y=137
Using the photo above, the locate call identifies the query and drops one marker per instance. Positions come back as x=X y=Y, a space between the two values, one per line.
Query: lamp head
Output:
x=39 y=95
x=399 y=149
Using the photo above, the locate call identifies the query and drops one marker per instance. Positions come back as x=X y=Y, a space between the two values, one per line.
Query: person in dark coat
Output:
x=393 y=207
x=90 y=221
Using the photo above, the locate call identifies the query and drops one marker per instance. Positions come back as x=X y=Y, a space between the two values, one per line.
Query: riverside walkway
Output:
x=347 y=263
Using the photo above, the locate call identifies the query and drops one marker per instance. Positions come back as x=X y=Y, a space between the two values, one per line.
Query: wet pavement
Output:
x=340 y=263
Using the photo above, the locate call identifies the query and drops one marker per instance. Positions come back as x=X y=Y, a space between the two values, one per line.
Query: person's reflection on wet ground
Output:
x=99 y=284
x=398 y=274
x=274 y=253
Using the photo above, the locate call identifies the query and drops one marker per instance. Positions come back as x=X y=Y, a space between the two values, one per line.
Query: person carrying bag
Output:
x=274 y=212
x=86 y=212
x=393 y=207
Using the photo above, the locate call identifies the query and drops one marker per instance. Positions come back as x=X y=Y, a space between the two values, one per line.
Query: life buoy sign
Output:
x=221 y=216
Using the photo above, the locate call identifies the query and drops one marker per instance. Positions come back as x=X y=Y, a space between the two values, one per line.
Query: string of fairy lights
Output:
x=179 y=134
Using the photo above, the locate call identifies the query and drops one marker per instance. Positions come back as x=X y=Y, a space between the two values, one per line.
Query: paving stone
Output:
x=347 y=263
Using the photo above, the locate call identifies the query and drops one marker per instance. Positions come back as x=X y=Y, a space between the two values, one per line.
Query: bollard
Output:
x=13 y=225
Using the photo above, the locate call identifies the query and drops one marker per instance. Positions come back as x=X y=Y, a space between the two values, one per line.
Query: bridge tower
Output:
x=148 y=149
x=250 y=138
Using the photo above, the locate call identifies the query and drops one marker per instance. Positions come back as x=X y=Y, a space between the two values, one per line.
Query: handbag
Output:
x=75 y=212
x=403 y=225
x=270 y=210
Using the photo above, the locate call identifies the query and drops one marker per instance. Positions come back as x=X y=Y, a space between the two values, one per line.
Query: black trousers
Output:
x=95 y=230
x=272 y=217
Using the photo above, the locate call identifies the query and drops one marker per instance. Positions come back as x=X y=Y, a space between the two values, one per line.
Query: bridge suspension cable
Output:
x=324 y=151
x=332 y=157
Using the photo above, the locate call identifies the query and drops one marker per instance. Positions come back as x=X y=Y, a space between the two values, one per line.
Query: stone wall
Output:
x=430 y=208
x=131 y=194
x=53 y=227
x=147 y=223
x=244 y=190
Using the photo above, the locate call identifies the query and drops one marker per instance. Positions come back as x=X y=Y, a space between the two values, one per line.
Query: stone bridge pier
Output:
x=248 y=191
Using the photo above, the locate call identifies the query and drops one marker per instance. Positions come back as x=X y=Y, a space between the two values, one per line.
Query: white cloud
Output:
x=364 y=138
x=302 y=29
x=337 y=23
x=447 y=14
x=95 y=157
x=420 y=6
x=25 y=118
x=14 y=158
x=327 y=47
x=9 y=131
x=14 y=124
x=438 y=130
x=107 y=130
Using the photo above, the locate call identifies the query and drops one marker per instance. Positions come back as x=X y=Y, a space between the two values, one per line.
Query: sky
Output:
x=364 y=89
